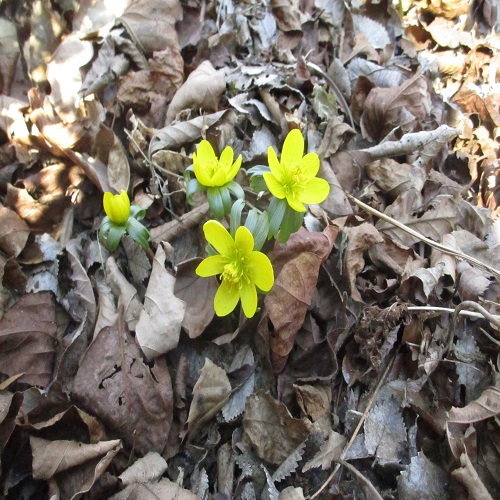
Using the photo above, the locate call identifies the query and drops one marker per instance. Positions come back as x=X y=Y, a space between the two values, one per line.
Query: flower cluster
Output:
x=291 y=183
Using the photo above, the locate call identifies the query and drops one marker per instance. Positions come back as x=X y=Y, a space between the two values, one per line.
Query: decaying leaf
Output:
x=159 y=324
x=290 y=464
x=202 y=89
x=209 y=394
x=27 y=339
x=147 y=469
x=153 y=491
x=271 y=430
x=329 y=451
x=130 y=398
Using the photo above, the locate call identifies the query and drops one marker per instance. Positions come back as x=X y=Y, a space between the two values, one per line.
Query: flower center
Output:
x=234 y=271
x=212 y=167
x=293 y=179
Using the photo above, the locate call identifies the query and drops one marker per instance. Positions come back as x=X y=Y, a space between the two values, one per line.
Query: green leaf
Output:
x=215 y=202
x=258 y=184
x=235 y=216
x=193 y=186
x=258 y=224
x=292 y=221
x=111 y=235
x=276 y=212
x=226 y=199
x=138 y=232
x=137 y=212
x=258 y=170
x=235 y=189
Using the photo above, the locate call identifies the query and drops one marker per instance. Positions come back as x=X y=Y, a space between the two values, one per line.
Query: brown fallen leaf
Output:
x=154 y=491
x=209 y=395
x=388 y=108
x=270 y=429
x=147 y=469
x=159 y=325
x=486 y=406
x=9 y=408
x=329 y=451
x=14 y=232
x=203 y=89
x=198 y=295
x=27 y=339
x=133 y=400
x=74 y=466
x=297 y=266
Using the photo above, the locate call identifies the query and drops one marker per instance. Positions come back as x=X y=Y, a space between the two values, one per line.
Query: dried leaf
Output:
x=64 y=75
x=486 y=406
x=9 y=408
x=138 y=261
x=198 y=295
x=422 y=479
x=159 y=325
x=176 y=135
x=290 y=465
x=114 y=383
x=162 y=489
x=403 y=106
x=202 y=89
x=14 y=232
x=360 y=239
x=434 y=223
x=271 y=430
x=147 y=469
x=52 y=457
x=27 y=339
x=209 y=394
x=329 y=451
x=298 y=264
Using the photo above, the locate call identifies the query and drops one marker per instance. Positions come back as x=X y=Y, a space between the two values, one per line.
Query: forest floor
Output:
x=371 y=369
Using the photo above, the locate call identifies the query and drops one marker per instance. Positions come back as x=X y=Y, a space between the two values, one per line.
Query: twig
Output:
x=338 y=94
x=450 y=310
x=416 y=234
x=358 y=427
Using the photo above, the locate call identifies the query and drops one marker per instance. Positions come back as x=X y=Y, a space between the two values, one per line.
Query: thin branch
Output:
x=416 y=234
x=358 y=427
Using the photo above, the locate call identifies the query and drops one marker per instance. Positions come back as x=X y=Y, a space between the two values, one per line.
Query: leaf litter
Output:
x=372 y=368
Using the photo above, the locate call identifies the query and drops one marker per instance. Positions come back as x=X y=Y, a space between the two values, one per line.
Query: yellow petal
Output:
x=274 y=164
x=274 y=185
x=218 y=236
x=244 y=240
x=231 y=174
x=200 y=172
x=248 y=299
x=205 y=152
x=117 y=207
x=226 y=158
x=211 y=266
x=310 y=165
x=261 y=271
x=226 y=298
x=295 y=203
x=315 y=191
x=293 y=148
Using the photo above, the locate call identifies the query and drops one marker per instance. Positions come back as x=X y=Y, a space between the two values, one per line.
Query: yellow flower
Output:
x=117 y=207
x=212 y=171
x=294 y=178
x=241 y=269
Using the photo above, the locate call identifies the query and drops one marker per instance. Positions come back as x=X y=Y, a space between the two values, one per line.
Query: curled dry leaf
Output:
x=14 y=232
x=162 y=489
x=388 y=108
x=116 y=385
x=198 y=295
x=64 y=75
x=329 y=451
x=209 y=395
x=9 y=408
x=271 y=430
x=27 y=339
x=52 y=457
x=147 y=469
x=360 y=239
x=203 y=89
x=297 y=266
x=486 y=406
x=151 y=23
x=159 y=325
